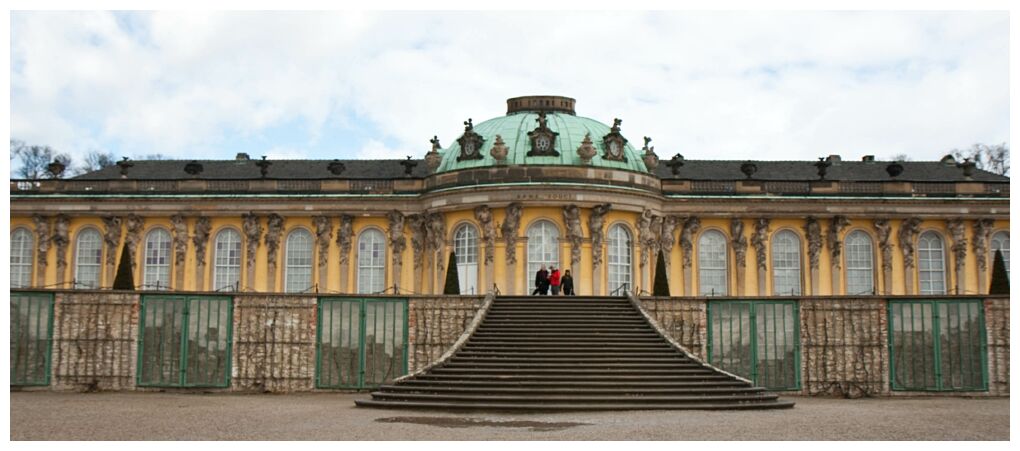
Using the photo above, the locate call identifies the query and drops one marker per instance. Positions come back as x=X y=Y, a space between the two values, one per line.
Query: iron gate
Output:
x=937 y=346
x=31 y=338
x=184 y=341
x=361 y=343
x=758 y=340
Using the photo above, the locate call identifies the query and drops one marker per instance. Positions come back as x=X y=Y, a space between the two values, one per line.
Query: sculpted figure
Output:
x=758 y=240
x=274 y=231
x=484 y=217
x=111 y=237
x=437 y=237
x=691 y=226
x=667 y=235
x=738 y=241
x=61 y=238
x=344 y=237
x=323 y=233
x=884 y=230
x=253 y=235
x=836 y=225
x=959 y=233
x=982 y=232
x=419 y=228
x=645 y=237
x=42 y=232
x=179 y=228
x=814 y=239
x=396 y=232
x=134 y=226
x=656 y=229
x=203 y=226
x=908 y=231
x=510 y=229
x=596 y=225
x=572 y=221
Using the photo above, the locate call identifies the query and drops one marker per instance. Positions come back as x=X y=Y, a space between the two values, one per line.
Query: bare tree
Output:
x=152 y=156
x=900 y=157
x=992 y=158
x=94 y=161
x=34 y=160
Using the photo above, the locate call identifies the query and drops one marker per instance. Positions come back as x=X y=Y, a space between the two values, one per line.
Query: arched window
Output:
x=543 y=249
x=618 y=259
x=1000 y=242
x=156 y=264
x=88 y=259
x=786 y=264
x=931 y=263
x=227 y=260
x=22 y=245
x=298 y=269
x=712 y=279
x=371 y=262
x=860 y=264
x=465 y=245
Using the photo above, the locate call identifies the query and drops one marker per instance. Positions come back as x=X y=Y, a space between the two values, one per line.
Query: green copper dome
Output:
x=523 y=117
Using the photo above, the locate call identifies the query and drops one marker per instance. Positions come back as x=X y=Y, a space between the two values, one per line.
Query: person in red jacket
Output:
x=554 y=281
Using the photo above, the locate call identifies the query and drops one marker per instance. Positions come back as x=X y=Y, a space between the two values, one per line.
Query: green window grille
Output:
x=937 y=346
x=757 y=340
x=361 y=343
x=184 y=341
x=31 y=338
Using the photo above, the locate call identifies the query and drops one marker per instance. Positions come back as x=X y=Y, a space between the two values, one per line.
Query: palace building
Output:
x=540 y=186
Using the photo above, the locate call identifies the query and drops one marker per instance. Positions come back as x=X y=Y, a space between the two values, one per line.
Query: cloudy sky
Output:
x=724 y=85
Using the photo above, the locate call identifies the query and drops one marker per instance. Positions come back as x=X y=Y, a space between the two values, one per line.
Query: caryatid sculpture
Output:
x=510 y=229
x=61 y=239
x=200 y=239
x=575 y=234
x=253 y=237
x=596 y=228
x=484 y=217
x=133 y=224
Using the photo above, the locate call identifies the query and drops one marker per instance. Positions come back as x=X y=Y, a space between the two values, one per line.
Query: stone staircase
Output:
x=569 y=353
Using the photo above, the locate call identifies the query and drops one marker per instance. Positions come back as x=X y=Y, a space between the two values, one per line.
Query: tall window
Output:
x=1000 y=242
x=712 y=280
x=298 y=270
x=371 y=262
x=22 y=244
x=618 y=258
x=860 y=266
x=88 y=259
x=227 y=260
x=786 y=264
x=543 y=249
x=465 y=245
x=931 y=263
x=156 y=267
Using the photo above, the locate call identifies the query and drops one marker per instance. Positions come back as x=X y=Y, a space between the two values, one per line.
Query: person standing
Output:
x=567 y=283
x=554 y=280
x=541 y=282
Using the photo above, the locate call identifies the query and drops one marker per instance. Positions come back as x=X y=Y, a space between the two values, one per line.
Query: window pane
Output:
x=88 y=259
x=1000 y=242
x=859 y=264
x=712 y=278
x=931 y=264
x=543 y=249
x=465 y=245
x=156 y=261
x=298 y=269
x=22 y=245
x=786 y=264
x=227 y=261
x=371 y=262
x=619 y=258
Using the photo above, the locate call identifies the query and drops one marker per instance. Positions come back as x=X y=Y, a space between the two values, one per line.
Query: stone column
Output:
x=179 y=230
x=836 y=226
x=111 y=238
x=61 y=239
x=253 y=236
x=981 y=233
x=813 y=231
x=909 y=229
x=691 y=226
x=274 y=232
x=884 y=230
x=484 y=217
x=758 y=239
x=344 y=237
x=397 y=245
x=323 y=234
x=958 y=232
x=200 y=239
x=596 y=229
x=739 y=243
x=510 y=230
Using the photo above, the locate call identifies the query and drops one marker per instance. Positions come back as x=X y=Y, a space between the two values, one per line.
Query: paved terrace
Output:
x=332 y=416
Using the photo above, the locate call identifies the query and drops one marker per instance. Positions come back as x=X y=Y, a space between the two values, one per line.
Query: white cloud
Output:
x=709 y=85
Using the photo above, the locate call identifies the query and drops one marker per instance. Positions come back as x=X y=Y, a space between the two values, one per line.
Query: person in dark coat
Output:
x=541 y=282
x=567 y=283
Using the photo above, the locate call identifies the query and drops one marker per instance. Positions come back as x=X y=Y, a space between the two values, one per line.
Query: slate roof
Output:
x=914 y=171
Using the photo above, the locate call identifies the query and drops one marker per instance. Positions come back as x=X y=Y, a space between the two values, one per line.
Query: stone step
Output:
x=581 y=371
x=558 y=348
x=631 y=390
x=576 y=397
x=573 y=356
x=580 y=334
x=529 y=327
x=575 y=359
x=565 y=339
x=616 y=378
x=568 y=406
x=695 y=384
x=573 y=365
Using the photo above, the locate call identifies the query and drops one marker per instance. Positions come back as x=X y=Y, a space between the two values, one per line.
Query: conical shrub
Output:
x=124 y=279
x=1000 y=278
x=661 y=285
x=452 y=280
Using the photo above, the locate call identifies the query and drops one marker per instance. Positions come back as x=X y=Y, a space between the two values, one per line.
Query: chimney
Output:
x=834 y=159
x=242 y=156
x=868 y=159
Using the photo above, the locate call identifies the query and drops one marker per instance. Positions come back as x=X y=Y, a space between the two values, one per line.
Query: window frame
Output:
x=28 y=267
x=725 y=268
x=358 y=261
x=289 y=269
x=871 y=270
x=145 y=265
x=799 y=268
x=216 y=254
x=76 y=277
x=628 y=248
x=921 y=272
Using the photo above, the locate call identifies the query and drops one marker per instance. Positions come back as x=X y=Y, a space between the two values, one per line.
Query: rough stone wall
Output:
x=997 y=327
x=274 y=343
x=685 y=320
x=434 y=324
x=844 y=347
x=95 y=339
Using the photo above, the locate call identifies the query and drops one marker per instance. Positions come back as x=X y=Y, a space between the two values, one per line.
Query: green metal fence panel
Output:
x=185 y=341
x=758 y=340
x=361 y=343
x=937 y=346
x=31 y=338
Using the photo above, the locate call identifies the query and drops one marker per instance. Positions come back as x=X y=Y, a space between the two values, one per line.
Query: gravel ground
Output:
x=332 y=416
